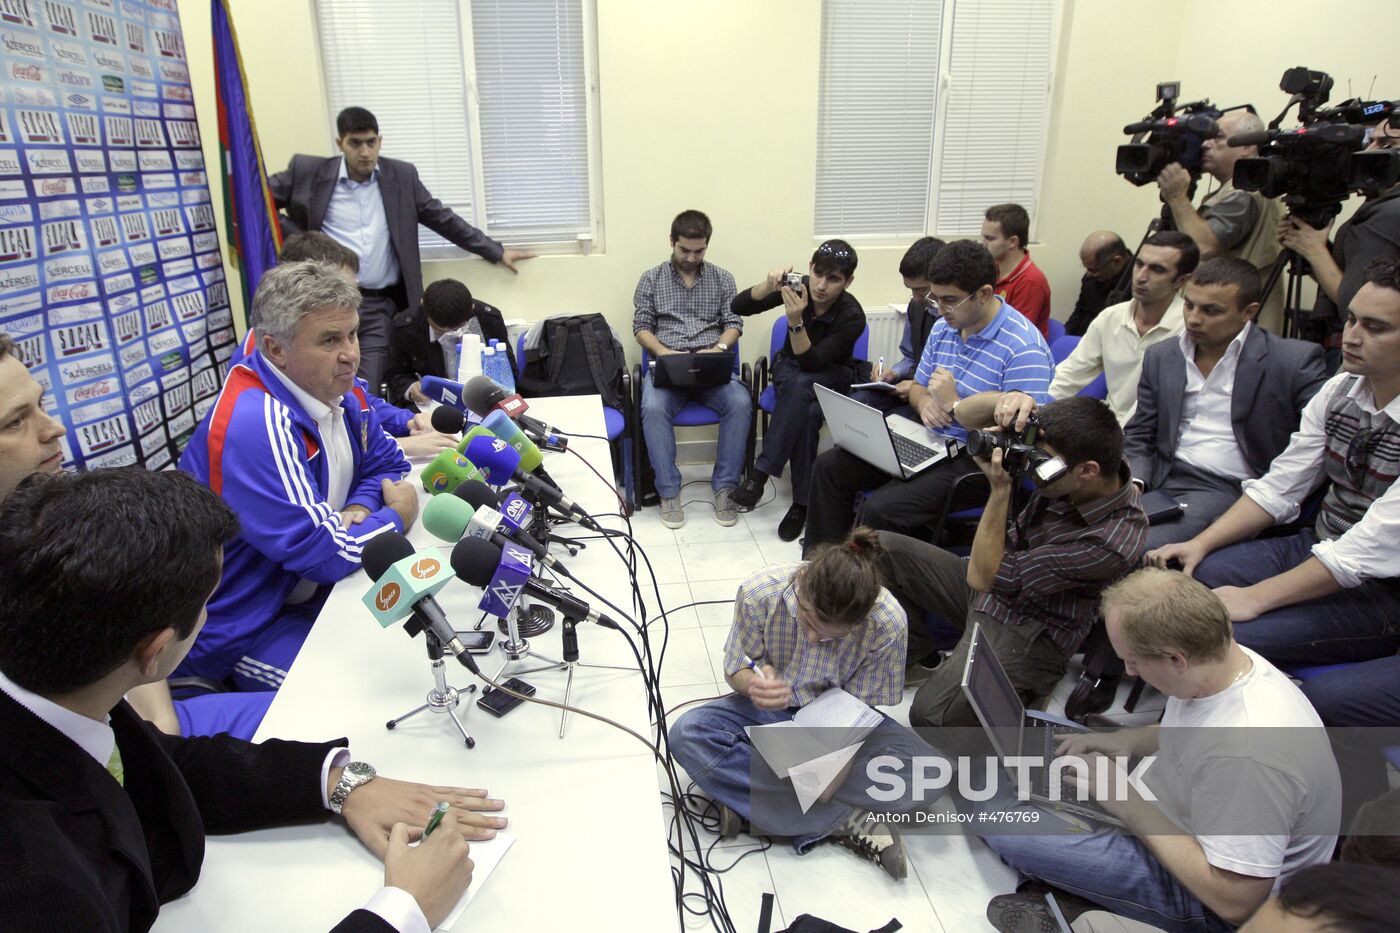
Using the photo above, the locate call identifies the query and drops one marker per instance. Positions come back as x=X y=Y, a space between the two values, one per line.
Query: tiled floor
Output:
x=951 y=878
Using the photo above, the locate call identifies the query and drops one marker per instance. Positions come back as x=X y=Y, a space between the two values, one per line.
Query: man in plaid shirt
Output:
x=682 y=306
x=800 y=630
x=1033 y=586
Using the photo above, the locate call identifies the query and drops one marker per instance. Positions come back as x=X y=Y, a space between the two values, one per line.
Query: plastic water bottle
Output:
x=502 y=373
x=469 y=361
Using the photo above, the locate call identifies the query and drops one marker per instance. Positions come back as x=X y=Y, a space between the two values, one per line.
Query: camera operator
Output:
x=1372 y=232
x=1230 y=222
x=1034 y=586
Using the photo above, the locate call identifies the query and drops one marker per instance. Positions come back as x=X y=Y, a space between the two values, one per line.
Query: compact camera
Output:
x=794 y=280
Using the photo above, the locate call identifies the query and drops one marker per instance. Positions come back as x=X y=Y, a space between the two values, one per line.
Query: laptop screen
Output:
x=993 y=697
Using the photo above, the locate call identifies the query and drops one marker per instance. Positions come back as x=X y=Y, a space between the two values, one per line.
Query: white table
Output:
x=590 y=852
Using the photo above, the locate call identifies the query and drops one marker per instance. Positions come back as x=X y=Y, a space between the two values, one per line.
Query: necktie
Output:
x=114 y=766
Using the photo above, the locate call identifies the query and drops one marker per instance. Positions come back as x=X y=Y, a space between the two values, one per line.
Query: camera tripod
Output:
x=441 y=699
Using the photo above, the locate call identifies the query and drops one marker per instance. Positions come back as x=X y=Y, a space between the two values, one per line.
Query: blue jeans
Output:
x=1354 y=624
x=1361 y=706
x=794 y=430
x=730 y=401
x=711 y=744
x=1105 y=866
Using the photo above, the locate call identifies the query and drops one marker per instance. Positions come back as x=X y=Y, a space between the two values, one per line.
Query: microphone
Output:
x=499 y=424
x=481 y=395
x=497 y=459
x=452 y=518
x=476 y=431
x=514 y=508
x=443 y=391
x=1250 y=139
x=404 y=585
x=448 y=420
x=447 y=471
x=483 y=564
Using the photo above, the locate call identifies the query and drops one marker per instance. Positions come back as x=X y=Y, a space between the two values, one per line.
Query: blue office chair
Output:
x=765 y=396
x=619 y=428
x=692 y=415
x=1056 y=330
x=1061 y=349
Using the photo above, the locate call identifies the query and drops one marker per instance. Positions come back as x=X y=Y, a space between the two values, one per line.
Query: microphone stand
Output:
x=516 y=648
x=442 y=698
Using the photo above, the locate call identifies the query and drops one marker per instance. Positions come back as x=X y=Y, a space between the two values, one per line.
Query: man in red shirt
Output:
x=1020 y=282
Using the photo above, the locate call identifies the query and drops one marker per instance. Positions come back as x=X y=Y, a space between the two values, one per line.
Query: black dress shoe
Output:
x=749 y=491
x=793 y=522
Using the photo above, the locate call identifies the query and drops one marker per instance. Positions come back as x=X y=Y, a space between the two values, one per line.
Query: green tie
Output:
x=114 y=766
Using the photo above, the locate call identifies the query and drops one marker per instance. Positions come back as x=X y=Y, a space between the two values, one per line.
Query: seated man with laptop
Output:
x=980 y=344
x=1033 y=587
x=684 y=321
x=1238 y=809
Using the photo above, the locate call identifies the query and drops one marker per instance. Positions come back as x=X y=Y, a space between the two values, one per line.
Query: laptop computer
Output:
x=1061 y=924
x=690 y=370
x=1014 y=731
x=898 y=445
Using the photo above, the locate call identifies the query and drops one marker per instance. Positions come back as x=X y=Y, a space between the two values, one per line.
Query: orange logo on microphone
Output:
x=426 y=569
x=387 y=597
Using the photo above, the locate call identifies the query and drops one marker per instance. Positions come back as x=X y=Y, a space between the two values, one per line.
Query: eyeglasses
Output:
x=934 y=306
x=1358 y=453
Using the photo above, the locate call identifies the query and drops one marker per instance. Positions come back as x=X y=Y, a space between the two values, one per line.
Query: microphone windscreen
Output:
x=477 y=494
x=494 y=457
x=447 y=471
x=448 y=420
x=1249 y=139
x=383 y=550
x=446 y=517
x=474 y=560
x=442 y=391
x=507 y=430
x=480 y=394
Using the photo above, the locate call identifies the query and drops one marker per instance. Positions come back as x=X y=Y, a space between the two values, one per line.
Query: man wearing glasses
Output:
x=374 y=207
x=981 y=344
x=1331 y=593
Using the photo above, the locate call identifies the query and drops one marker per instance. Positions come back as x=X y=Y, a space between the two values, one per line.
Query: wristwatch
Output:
x=796 y=328
x=355 y=774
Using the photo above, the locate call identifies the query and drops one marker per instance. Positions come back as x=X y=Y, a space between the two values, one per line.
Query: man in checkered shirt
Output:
x=682 y=306
x=800 y=630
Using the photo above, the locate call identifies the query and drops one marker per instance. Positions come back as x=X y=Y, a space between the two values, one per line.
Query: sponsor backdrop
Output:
x=110 y=276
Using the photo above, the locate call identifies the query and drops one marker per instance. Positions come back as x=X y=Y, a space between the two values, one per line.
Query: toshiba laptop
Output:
x=898 y=445
x=690 y=370
x=1014 y=731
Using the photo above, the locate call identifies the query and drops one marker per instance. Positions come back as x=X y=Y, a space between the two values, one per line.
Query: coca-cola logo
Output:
x=91 y=393
x=26 y=72
x=56 y=186
x=72 y=292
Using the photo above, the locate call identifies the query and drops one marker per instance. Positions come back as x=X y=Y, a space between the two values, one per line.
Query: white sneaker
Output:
x=672 y=514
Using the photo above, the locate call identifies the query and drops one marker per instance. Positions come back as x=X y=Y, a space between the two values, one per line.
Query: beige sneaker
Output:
x=875 y=841
x=672 y=514
x=726 y=512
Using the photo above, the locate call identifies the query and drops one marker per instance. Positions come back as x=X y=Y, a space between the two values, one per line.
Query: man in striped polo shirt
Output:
x=1331 y=593
x=981 y=344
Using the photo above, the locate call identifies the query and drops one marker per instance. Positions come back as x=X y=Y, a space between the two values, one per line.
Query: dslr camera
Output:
x=1170 y=133
x=793 y=280
x=1018 y=452
x=1315 y=167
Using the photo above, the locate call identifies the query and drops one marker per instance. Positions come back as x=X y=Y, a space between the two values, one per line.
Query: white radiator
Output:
x=886 y=329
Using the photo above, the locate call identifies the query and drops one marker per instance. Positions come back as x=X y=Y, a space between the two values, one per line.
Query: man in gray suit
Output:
x=1217 y=405
x=374 y=206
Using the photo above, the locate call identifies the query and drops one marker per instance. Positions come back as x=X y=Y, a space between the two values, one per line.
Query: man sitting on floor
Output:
x=1238 y=808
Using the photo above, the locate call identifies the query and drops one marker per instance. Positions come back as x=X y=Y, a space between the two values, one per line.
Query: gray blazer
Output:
x=1274 y=379
x=303 y=192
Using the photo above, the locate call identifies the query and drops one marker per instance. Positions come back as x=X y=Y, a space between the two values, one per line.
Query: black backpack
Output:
x=576 y=354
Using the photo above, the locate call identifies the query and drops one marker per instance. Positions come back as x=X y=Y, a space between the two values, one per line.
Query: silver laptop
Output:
x=1016 y=732
x=1062 y=925
x=898 y=445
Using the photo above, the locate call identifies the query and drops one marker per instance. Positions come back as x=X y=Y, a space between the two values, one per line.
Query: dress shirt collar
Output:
x=1172 y=317
x=345 y=175
x=1096 y=510
x=95 y=738
x=699 y=273
x=318 y=410
x=1236 y=347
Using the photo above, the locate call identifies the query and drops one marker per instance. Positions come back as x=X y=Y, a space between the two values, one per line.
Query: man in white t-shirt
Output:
x=1238 y=808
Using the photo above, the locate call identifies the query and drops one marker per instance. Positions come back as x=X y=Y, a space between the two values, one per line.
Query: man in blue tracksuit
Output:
x=294 y=446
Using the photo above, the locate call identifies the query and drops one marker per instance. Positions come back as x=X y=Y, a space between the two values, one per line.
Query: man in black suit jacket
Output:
x=1216 y=406
x=337 y=195
x=415 y=348
x=103 y=580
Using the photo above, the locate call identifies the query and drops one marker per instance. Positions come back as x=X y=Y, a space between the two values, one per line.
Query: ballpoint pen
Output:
x=752 y=665
x=438 y=812
x=880 y=369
